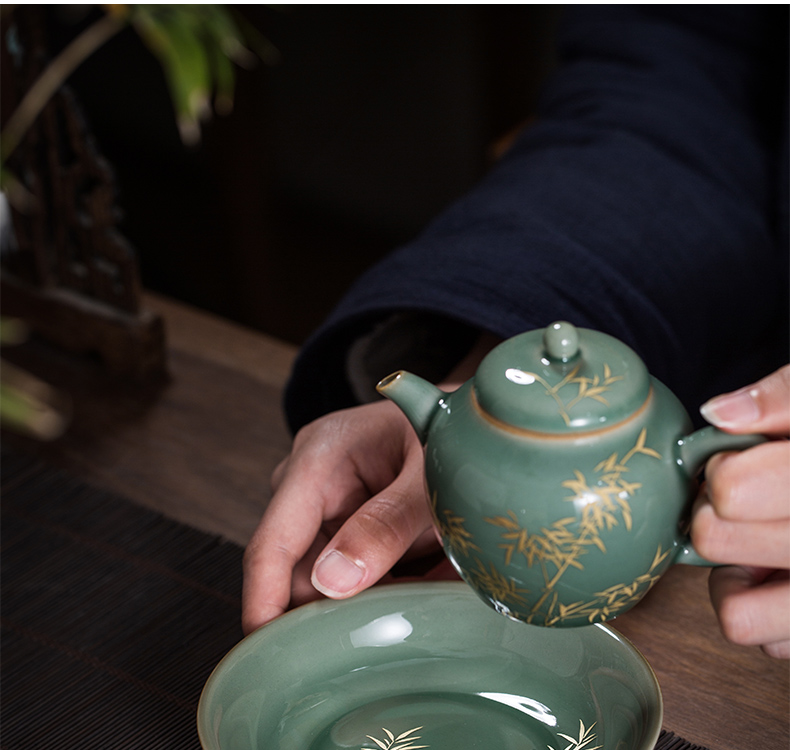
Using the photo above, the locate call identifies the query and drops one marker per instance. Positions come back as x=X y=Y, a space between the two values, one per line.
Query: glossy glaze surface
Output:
x=562 y=380
x=558 y=535
x=561 y=476
x=427 y=666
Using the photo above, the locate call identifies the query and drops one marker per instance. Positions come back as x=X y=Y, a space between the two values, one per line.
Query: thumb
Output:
x=762 y=407
x=372 y=540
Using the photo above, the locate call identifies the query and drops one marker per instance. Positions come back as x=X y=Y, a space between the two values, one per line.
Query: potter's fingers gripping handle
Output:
x=697 y=448
x=693 y=451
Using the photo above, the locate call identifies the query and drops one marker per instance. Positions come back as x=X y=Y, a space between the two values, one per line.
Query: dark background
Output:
x=373 y=120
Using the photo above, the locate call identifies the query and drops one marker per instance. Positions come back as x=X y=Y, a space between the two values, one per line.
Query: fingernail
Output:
x=733 y=409
x=335 y=575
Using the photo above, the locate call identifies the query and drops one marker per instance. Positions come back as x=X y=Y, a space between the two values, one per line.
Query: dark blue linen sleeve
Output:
x=645 y=201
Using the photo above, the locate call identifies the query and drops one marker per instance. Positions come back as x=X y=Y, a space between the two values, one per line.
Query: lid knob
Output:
x=561 y=380
x=561 y=341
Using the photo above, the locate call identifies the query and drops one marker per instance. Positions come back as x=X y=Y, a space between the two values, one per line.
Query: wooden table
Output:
x=201 y=447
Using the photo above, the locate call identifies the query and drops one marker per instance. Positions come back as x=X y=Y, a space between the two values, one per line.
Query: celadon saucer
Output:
x=427 y=665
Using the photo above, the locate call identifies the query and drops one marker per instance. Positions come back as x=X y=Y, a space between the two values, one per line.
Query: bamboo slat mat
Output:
x=112 y=617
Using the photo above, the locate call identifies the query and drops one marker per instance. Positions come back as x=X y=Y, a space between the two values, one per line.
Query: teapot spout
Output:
x=417 y=399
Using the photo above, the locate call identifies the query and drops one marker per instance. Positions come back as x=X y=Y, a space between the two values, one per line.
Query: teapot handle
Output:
x=693 y=451
x=687 y=555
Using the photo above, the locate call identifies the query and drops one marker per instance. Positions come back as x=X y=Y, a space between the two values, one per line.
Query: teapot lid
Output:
x=561 y=380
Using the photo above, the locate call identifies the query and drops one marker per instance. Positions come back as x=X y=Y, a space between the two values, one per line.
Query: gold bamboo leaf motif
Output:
x=610 y=601
x=543 y=547
x=499 y=587
x=453 y=530
x=402 y=742
x=658 y=559
x=604 y=504
x=593 y=388
x=586 y=736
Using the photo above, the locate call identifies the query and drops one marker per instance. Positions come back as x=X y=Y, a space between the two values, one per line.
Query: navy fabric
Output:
x=649 y=200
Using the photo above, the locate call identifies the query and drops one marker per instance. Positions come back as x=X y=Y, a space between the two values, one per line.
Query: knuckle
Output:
x=708 y=535
x=773 y=394
x=782 y=379
x=327 y=435
x=386 y=521
x=737 y=621
x=263 y=551
x=307 y=434
x=722 y=480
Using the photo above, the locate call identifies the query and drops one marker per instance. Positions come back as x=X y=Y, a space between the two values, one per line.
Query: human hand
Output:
x=742 y=518
x=347 y=505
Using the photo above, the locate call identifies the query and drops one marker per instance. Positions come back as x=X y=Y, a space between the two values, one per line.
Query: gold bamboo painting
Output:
x=406 y=740
x=586 y=387
x=604 y=495
x=584 y=740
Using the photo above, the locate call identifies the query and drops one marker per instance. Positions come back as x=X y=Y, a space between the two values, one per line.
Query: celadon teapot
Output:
x=560 y=476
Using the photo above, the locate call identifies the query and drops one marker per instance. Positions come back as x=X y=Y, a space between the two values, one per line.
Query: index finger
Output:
x=308 y=492
x=762 y=407
x=282 y=538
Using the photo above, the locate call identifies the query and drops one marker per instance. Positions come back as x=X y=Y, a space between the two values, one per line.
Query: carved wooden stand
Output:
x=69 y=273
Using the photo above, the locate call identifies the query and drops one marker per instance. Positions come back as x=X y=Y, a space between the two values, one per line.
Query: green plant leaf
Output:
x=174 y=37
x=22 y=412
x=198 y=46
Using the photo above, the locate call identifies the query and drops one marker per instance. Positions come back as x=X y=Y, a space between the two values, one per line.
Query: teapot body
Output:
x=561 y=476
x=559 y=530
